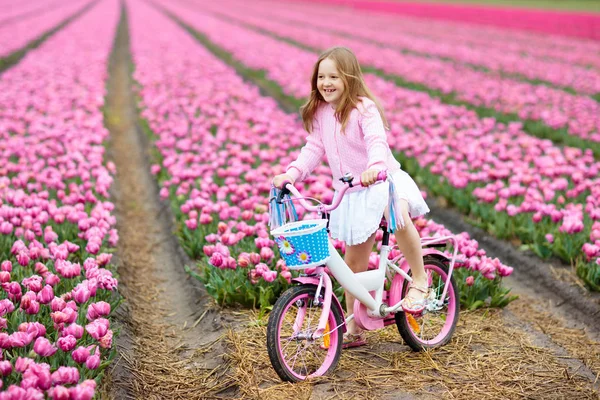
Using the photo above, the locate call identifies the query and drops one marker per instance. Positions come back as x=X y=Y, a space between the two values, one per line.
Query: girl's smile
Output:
x=329 y=82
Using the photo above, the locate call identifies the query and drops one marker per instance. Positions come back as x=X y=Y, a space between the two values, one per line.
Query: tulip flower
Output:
x=65 y=375
x=66 y=343
x=43 y=347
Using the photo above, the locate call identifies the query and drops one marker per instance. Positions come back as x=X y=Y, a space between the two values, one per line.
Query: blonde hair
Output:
x=354 y=87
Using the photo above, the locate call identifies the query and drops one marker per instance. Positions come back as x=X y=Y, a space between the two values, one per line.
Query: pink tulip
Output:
x=22 y=364
x=99 y=309
x=270 y=276
x=266 y=254
x=39 y=376
x=52 y=279
x=92 y=247
x=41 y=269
x=59 y=392
x=80 y=355
x=17 y=247
x=57 y=304
x=216 y=260
x=23 y=258
x=33 y=283
x=550 y=238
x=60 y=317
x=75 y=330
x=104 y=259
x=34 y=328
x=212 y=238
x=231 y=263
x=4 y=276
x=83 y=391
x=5 y=368
x=243 y=260
x=66 y=343
x=287 y=275
x=81 y=293
x=50 y=236
x=205 y=219
x=96 y=329
x=46 y=295
x=65 y=375
x=92 y=362
x=591 y=251
x=6 y=228
x=254 y=258
x=6 y=266
x=67 y=269
x=43 y=347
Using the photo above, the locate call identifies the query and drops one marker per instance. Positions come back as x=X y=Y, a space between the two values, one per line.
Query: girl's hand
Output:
x=279 y=180
x=369 y=177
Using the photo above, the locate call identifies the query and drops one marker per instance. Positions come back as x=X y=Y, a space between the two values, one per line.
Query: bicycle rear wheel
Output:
x=436 y=325
x=295 y=356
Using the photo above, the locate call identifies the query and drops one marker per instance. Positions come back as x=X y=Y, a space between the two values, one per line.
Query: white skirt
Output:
x=359 y=213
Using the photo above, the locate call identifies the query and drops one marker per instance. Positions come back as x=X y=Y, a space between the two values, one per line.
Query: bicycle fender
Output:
x=436 y=254
x=313 y=280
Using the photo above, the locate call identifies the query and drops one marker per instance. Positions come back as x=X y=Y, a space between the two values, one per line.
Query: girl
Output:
x=346 y=124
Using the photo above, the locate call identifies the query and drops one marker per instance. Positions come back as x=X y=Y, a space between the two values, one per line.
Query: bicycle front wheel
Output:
x=435 y=326
x=294 y=354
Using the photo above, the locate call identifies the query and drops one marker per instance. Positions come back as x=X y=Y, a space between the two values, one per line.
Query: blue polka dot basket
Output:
x=303 y=244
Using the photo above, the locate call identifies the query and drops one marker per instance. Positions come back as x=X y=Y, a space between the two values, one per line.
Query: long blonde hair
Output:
x=354 y=86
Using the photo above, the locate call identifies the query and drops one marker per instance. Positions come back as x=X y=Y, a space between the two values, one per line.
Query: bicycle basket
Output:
x=303 y=244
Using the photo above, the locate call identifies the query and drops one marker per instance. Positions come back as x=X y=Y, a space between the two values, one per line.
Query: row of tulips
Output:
x=515 y=183
x=13 y=11
x=549 y=23
x=56 y=222
x=16 y=34
x=344 y=22
x=218 y=144
x=578 y=114
x=556 y=48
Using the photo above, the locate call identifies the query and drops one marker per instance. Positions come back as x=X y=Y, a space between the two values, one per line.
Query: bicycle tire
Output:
x=407 y=328
x=277 y=355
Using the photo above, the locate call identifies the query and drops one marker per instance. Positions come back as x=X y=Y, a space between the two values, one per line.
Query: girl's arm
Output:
x=310 y=156
x=375 y=136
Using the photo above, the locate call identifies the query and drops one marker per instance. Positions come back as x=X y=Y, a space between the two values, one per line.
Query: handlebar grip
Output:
x=381 y=176
x=284 y=190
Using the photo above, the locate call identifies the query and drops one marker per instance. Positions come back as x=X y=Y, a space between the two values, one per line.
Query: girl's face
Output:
x=329 y=83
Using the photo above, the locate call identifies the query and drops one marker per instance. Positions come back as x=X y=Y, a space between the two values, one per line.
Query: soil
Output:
x=171 y=333
x=175 y=343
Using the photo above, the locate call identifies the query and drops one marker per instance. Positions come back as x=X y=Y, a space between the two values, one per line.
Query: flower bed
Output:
x=218 y=143
x=343 y=22
x=17 y=34
x=56 y=222
x=579 y=115
x=576 y=24
x=516 y=184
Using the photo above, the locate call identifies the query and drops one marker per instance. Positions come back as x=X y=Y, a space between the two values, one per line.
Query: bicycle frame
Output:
x=362 y=283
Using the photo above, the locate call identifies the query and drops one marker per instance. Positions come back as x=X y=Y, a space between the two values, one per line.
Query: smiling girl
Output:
x=347 y=125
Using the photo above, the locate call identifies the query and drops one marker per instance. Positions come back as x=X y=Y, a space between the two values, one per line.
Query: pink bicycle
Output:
x=304 y=332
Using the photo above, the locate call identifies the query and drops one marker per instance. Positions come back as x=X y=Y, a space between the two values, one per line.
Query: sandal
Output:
x=412 y=306
x=353 y=340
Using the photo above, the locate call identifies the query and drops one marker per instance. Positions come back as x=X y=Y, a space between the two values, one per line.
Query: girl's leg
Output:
x=357 y=258
x=409 y=243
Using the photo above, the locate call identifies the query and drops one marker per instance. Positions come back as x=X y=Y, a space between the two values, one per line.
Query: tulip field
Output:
x=500 y=122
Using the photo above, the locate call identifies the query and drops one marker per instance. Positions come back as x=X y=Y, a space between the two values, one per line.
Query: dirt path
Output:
x=170 y=346
x=175 y=344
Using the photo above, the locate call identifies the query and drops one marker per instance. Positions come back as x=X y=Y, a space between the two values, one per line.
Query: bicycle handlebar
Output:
x=381 y=177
